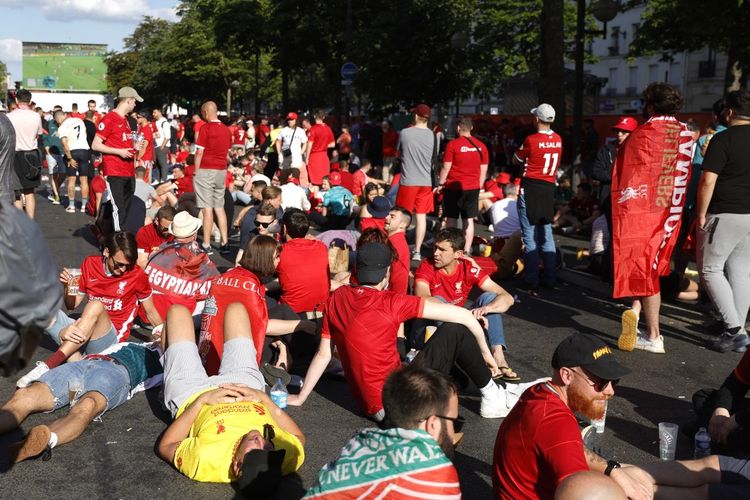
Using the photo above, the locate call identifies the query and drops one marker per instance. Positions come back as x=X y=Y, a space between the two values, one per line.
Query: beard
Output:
x=580 y=402
x=446 y=443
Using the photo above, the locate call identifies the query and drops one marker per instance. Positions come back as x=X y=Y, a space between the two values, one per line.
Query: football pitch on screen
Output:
x=65 y=72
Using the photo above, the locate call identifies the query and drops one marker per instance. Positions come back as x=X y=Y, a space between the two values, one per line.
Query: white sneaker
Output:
x=645 y=344
x=216 y=234
x=40 y=369
x=416 y=256
x=495 y=406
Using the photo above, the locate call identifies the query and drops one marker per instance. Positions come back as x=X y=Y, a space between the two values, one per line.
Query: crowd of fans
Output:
x=165 y=193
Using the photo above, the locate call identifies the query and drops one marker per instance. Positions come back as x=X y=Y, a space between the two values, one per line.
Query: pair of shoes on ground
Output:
x=630 y=338
x=502 y=401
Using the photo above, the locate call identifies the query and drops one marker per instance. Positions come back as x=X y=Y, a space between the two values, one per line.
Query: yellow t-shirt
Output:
x=206 y=454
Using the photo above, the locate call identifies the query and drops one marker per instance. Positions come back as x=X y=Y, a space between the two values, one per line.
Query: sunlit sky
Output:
x=72 y=21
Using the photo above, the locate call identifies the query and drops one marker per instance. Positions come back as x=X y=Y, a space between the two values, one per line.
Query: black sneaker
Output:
x=208 y=249
x=729 y=342
x=224 y=249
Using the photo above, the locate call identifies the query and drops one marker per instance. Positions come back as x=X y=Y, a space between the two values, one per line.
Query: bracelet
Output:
x=611 y=465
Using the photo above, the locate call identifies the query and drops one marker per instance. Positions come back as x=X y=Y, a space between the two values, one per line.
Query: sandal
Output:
x=272 y=374
x=507 y=374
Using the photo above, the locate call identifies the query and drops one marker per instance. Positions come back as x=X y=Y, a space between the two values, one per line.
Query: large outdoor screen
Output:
x=64 y=66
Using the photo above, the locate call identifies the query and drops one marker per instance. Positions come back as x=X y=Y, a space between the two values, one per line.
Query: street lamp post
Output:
x=603 y=11
x=234 y=84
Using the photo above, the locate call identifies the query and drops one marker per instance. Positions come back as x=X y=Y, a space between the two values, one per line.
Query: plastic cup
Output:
x=667 y=440
x=74 y=280
x=598 y=424
x=75 y=390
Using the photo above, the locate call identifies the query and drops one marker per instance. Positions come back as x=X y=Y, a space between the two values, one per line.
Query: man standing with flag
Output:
x=649 y=181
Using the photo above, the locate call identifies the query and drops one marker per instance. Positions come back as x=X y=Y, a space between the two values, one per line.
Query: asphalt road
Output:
x=115 y=458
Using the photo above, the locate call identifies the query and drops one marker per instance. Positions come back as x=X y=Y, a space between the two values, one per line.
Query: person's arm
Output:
x=180 y=428
x=308 y=149
x=152 y=314
x=705 y=193
x=722 y=423
x=277 y=327
x=99 y=146
x=502 y=302
x=482 y=174
x=144 y=148
x=99 y=197
x=277 y=145
x=68 y=155
x=314 y=372
x=198 y=159
x=444 y=172
x=439 y=311
x=634 y=482
x=422 y=289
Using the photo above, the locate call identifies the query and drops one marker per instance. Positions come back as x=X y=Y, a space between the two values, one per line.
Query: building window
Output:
x=614 y=44
x=632 y=80
x=675 y=74
x=653 y=73
x=612 y=82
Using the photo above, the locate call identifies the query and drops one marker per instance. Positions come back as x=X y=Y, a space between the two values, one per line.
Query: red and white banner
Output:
x=649 y=182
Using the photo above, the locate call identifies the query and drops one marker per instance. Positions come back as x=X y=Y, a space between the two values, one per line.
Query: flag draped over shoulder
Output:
x=649 y=182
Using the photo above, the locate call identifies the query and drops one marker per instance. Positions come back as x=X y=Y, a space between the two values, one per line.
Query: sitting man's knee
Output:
x=91 y=403
x=177 y=311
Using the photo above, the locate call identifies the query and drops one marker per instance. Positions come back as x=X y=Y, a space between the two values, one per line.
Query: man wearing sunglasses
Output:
x=150 y=238
x=422 y=422
x=114 y=287
x=539 y=443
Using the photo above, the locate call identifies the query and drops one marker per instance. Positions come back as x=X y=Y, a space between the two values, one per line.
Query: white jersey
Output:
x=293 y=139
x=74 y=130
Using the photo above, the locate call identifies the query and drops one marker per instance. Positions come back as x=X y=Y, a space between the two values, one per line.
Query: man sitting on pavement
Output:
x=507 y=244
x=422 y=422
x=337 y=206
x=226 y=428
x=449 y=277
x=107 y=380
x=539 y=443
x=114 y=287
x=150 y=237
x=364 y=320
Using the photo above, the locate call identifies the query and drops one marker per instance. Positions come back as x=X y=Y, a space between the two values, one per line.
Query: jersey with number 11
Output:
x=541 y=152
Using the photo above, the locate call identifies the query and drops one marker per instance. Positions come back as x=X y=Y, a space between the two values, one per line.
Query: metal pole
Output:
x=578 y=91
x=229 y=100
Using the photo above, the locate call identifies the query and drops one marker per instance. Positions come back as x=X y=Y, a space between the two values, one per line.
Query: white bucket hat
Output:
x=184 y=225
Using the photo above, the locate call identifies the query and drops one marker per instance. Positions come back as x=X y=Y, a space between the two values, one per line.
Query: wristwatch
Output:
x=611 y=465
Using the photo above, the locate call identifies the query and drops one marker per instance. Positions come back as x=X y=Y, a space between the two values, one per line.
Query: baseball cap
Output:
x=544 y=112
x=129 y=92
x=503 y=178
x=334 y=178
x=422 y=110
x=591 y=353
x=379 y=207
x=373 y=260
x=144 y=113
x=626 y=124
x=260 y=474
x=291 y=115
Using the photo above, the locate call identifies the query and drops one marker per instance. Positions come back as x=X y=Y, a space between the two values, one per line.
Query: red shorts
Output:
x=417 y=199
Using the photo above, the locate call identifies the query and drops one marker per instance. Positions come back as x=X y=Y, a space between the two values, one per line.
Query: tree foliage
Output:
x=672 y=26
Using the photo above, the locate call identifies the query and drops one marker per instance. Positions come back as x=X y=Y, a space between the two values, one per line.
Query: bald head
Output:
x=209 y=110
x=588 y=485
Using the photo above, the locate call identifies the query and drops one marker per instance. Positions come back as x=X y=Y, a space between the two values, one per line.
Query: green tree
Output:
x=672 y=26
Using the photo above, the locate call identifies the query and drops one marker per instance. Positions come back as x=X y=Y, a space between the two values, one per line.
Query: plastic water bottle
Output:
x=411 y=355
x=702 y=443
x=279 y=394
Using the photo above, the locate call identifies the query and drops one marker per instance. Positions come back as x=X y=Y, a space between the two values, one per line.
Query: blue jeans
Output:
x=108 y=378
x=495 y=331
x=242 y=197
x=536 y=237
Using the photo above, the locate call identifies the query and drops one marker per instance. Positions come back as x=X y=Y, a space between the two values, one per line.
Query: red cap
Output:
x=291 y=115
x=422 y=110
x=335 y=178
x=503 y=178
x=626 y=124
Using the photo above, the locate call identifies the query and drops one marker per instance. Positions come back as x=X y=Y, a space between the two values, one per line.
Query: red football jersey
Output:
x=148 y=135
x=303 y=274
x=466 y=159
x=116 y=133
x=237 y=284
x=537 y=446
x=454 y=288
x=399 y=282
x=120 y=295
x=390 y=143
x=215 y=140
x=363 y=323
x=541 y=152
x=149 y=238
x=321 y=136
x=96 y=185
x=238 y=136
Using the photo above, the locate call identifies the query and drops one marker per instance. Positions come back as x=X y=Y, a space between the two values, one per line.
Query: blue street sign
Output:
x=348 y=71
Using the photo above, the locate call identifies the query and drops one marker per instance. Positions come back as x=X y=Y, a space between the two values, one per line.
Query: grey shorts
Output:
x=735 y=479
x=209 y=188
x=184 y=374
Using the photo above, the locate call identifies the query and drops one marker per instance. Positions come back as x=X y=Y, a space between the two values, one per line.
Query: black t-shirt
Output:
x=728 y=156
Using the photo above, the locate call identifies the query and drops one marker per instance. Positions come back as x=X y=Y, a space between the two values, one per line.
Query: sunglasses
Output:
x=599 y=384
x=263 y=224
x=120 y=265
x=458 y=421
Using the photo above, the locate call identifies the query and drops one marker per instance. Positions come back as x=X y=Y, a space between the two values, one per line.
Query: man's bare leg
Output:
x=94 y=323
x=236 y=322
x=24 y=402
x=30 y=203
x=221 y=220
x=86 y=409
x=651 y=306
x=468 y=223
x=421 y=230
x=178 y=327
x=208 y=225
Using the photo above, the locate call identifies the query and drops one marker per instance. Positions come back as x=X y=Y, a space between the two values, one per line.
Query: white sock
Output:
x=490 y=390
x=52 y=439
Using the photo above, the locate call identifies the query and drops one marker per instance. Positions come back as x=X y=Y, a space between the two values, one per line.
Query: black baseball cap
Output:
x=591 y=353
x=373 y=261
x=260 y=474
